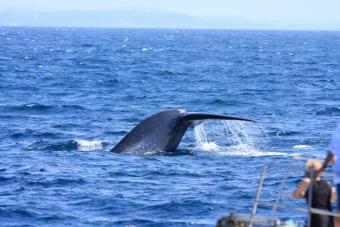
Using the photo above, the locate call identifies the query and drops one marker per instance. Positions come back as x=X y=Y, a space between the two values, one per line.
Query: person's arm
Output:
x=333 y=195
x=333 y=192
x=301 y=189
x=329 y=158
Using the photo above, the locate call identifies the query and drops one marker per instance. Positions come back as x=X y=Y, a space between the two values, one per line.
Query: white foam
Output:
x=168 y=37
x=259 y=153
x=209 y=146
x=89 y=145
x=241 y=150
x=255 y=153
x=301 y=146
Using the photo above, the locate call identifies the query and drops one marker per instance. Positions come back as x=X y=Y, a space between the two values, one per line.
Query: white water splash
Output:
x=200 y=135
x=89 y=145
x=301 y=146
x=256 y=153
x=245 y=136
x=234 y=138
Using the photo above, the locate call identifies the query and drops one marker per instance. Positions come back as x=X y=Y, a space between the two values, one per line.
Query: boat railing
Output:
x=277 y=204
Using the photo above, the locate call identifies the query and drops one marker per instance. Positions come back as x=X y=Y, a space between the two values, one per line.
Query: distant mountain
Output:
x=134 y=19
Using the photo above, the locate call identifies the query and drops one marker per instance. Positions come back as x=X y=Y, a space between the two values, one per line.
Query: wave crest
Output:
x=70 y=145
x=89 y=145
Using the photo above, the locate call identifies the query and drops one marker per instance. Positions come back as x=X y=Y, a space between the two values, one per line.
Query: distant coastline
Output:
x=165 y=29
x=156 y=20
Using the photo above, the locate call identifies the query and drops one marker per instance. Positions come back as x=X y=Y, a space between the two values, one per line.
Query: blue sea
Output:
x=68 y=95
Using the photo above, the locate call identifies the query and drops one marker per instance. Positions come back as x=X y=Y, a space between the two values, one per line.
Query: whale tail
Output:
x=191 y=117
x=163 y=131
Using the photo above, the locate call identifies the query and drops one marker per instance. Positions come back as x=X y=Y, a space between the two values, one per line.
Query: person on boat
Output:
x=322 y=193
x=334 y=151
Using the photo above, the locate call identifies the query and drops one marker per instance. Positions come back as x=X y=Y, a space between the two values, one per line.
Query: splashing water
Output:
x=202 y=139
x=89 y=145
x=245 y=136
x=227 y=134
x=200 y=135
x=233 y=138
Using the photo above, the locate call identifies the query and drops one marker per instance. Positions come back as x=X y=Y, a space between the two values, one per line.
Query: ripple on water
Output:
x=82 y=90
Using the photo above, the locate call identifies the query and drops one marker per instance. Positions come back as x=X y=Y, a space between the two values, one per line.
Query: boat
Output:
x=251 y=220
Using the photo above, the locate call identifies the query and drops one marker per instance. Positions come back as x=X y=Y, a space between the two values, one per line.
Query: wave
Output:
x=36 y=107
x=329 y=111
x=70 y=145
x=225 y=102
x=171 y=206
x=17 y=213
x=89 y=145
x=301 y=146
x=30 y=107
x=27 y=133
x=240 y=150
x=5 y=179
x=57 y=182
x=60 y=146
x=285 y=133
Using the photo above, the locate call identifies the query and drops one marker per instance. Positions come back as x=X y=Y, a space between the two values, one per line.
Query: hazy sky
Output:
x=248 y=9
x=212 y=14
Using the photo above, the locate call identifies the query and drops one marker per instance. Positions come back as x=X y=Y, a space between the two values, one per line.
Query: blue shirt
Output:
x=334 y=148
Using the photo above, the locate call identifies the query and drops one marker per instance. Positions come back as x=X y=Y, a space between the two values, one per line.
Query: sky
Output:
x=311 y=11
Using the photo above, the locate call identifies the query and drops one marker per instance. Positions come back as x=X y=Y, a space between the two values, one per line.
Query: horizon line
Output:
x=173 y=28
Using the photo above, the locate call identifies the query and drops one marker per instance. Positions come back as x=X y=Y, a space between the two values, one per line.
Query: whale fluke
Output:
x=207 y=116
x=164 y=131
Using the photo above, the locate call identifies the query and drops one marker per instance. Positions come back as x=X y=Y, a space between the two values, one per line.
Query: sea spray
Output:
x=200 y=135
x=245 y=136
x=202 y=139
x=89 y=145
x=231 y=136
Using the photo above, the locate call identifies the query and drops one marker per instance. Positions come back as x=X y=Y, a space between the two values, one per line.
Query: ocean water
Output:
x=67 y=96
